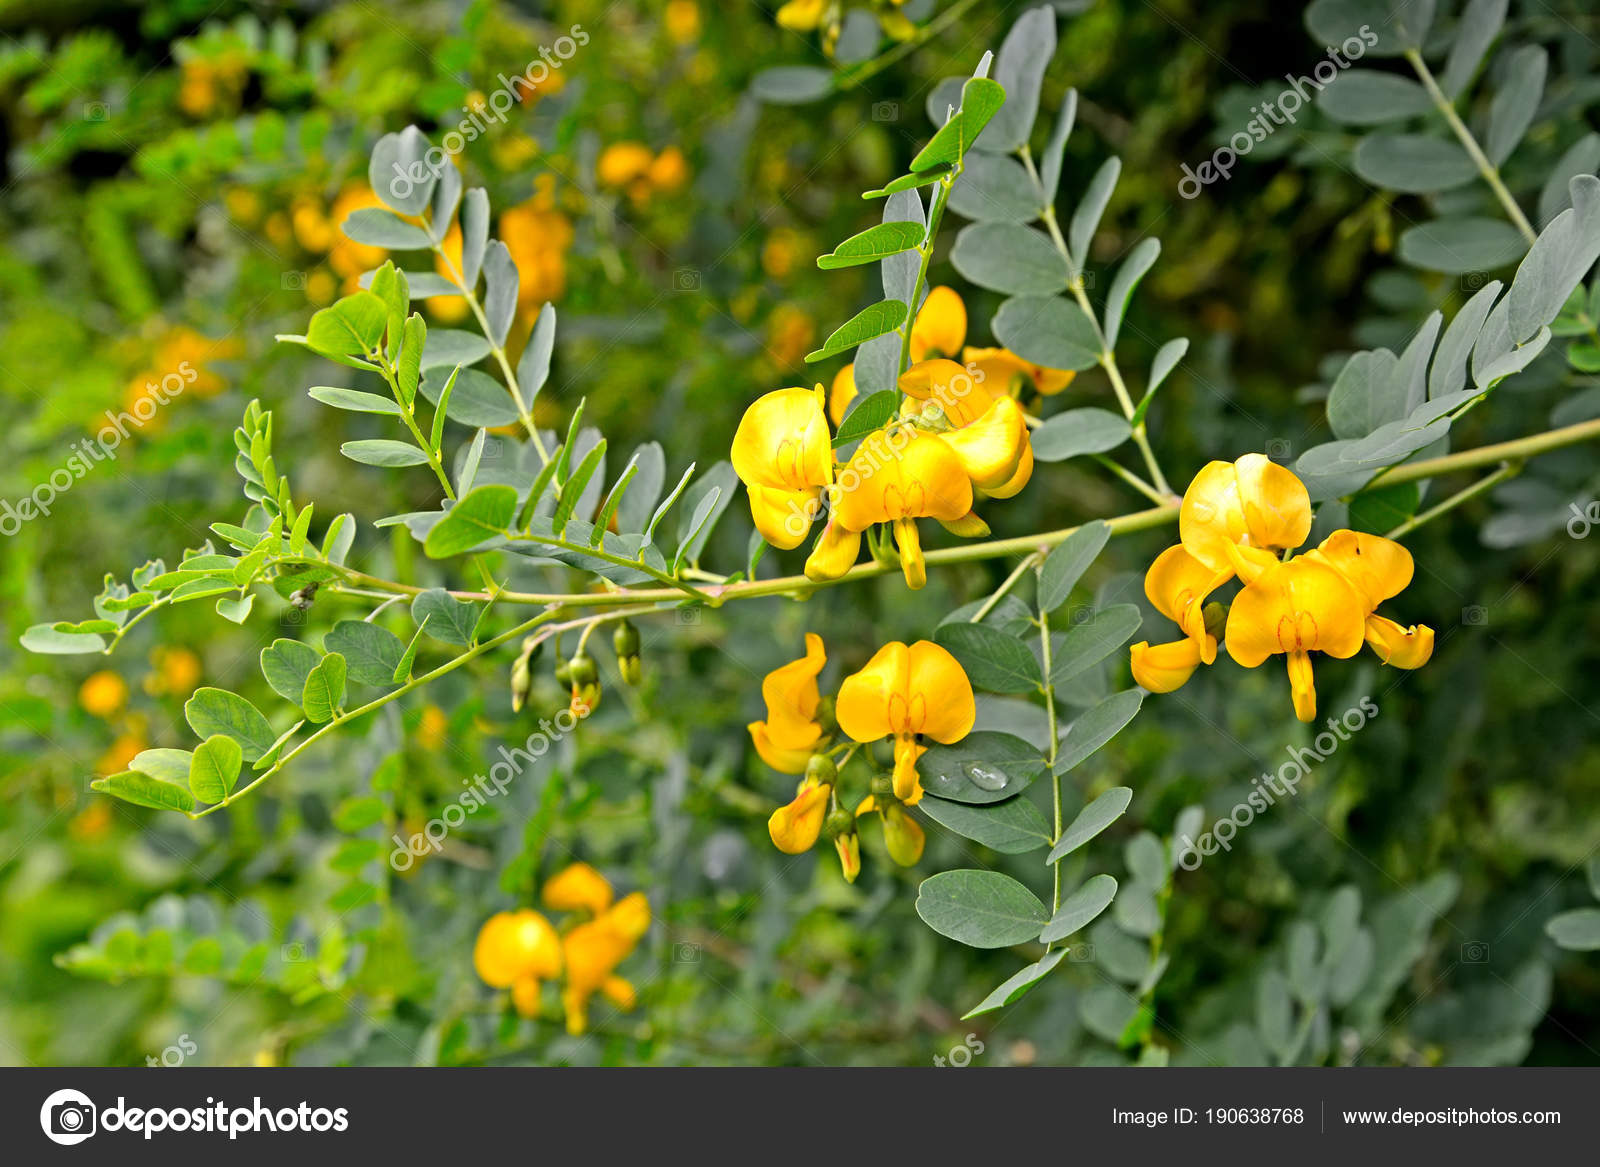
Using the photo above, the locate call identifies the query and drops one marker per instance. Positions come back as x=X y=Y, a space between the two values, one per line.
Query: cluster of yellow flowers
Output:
x=828 y=15
x=521 y=950
x=903 y=694
x=641 y=172
x=959 y=434
x=1234 y=519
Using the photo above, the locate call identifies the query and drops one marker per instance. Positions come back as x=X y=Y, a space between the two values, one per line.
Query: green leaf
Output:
x=1133 y=269
x=1080 y=908
x=1480 y=23
x=408 y=370
x=982 y=909
x=981 y=99
x=402 y=670
x=483 y=514
x=383 y=452
x=349 y=327
x=873 y=244
x=143 y=790
x=1460 y=246
x=1076 y=432
x=908 y=182
x=791 y=84
x=1096 y=726
x=377 y=227
x=475 y=399
x=370 y=653
x=1370 y=97
x=1091 y=820
x=1050 y=158
x=992 y=660
x=212 y=711
x=324 y=691
x=995 y=188
x=572 y=489
x=398 y=172
x=666 y=503
x=533 y=367
x=1016 y=986
x=1009 y=258
x=1048 y=331
x=1087 y=644
x=214 y=768
x=286 y=664
x=359 y=813
x=449 y=347
x=1578 y=930
x=167 y=765
x=1511 y=112
x=867 y=414
x=1389 y=27
x=1086 y=219
x=1413 y=163
x=873 y=320
x=43 y=638
x=1019 y=70
x=983 y=767
x=1013 y=827
x=448 y=619
x=1065 y=565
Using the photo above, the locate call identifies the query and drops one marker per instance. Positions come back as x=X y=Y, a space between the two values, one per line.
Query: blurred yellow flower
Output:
x=516 y=950
x=682 y=20
x=176 y=672
x=802 y=15
x=790 y=334
x=431 y=728
x=779 y=252
x=622 y=162
x=103 y=694
x=593 y=950
x=121 y=753
x=538 y=237
x=577 y=888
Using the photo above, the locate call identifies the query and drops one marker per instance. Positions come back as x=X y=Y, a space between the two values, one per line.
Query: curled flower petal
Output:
x=991 y=447
x=786 y=739
x=923 y=478
x=835 y=553
x=1178 y=584
x=1162 y=668
x=794 y=828
x=1379 y=568
x=783 y=516
x=1302 y=685
x=848 y=848
x=1404 y=648
x=961 y=397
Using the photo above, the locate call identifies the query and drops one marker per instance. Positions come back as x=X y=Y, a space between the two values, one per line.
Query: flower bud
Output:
x=839 y=822
x=521 y=684
x=1215 y=615
x=903 y=835
x=625 y=640
x=820 y=768
x=585 y=681
x=848 y=848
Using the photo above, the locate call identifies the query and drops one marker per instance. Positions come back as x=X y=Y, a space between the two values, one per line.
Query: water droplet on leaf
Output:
x=985 y=776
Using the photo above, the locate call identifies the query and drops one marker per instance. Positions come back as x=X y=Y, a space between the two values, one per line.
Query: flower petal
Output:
x=963 y=397
x=1404 y=648
x=939 y=695
x=863 y=707
x=1162 y=668
x=1302 y=685
x=784 y=517
x=835 y=553
x=783 y=441
x=1379 y=568
x=794 y=828
x=842 y=392
x=577 y=887
x=941 y=325
x=991 y=447
x=903 y=835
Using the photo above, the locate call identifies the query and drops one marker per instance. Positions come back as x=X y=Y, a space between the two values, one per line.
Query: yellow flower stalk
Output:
x=592 y=952
x=783 y=454
x=577 y=888
x=908 y=693
x=791 y=733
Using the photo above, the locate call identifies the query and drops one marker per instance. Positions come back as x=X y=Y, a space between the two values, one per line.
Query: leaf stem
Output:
x=1048 y=689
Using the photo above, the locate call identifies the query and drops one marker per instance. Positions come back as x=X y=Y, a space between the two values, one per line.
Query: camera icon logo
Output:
x=1475 y=615
x=886 y=111
x=1279 y=449
x=686 y=279
x=293 y=281
x=686 y=953
x=1475 y=952
x=68 y=1117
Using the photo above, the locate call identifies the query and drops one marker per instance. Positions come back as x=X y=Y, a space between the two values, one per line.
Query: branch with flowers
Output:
x=918 y=425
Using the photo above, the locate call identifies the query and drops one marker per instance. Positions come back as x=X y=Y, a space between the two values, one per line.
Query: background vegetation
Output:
x=174 y=176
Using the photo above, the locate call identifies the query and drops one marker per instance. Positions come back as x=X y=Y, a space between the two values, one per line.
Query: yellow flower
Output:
x=593 y=950
x=941 y=325
x=622 y=162
x=791 y=733
x=790 y=333
x=908 y=693
x=347 y=257
x=1178 y=584
x=577 y=887
x=516 y=946
x=923 y=479
x=794 y=828
x=682 y=20
x=538 y=237
x=847 y=845
x=1379 y=569
x=121 y=753
x=1007 y=373
x=669 y=171
x=432 y=726
x=782 y=453
x=1296 y=608
x=1252 y=502
x=842 y=393
x=987 y=432
x=779 y=252
x=103 y=694
x=802 y=15
x=177 y=671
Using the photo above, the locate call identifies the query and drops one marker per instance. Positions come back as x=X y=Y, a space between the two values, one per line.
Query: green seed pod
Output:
x=839 y=822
